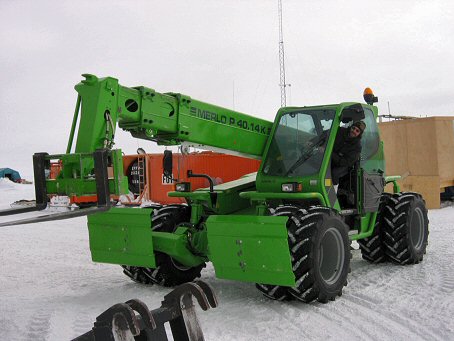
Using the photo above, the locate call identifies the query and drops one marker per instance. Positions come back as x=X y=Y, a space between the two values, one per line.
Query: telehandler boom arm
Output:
x=166 y=118
x=93 y=167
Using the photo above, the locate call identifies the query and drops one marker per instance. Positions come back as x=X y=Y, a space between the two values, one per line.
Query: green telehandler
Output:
x=285 y=228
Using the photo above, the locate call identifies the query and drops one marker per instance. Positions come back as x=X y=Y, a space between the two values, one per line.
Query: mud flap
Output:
x=122 y=236
x=250 y=249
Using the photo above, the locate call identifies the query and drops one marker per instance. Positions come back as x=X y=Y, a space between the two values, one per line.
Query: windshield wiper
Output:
x=306 y=155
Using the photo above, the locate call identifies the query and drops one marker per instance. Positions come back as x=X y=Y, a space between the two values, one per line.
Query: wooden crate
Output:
x=421 y=150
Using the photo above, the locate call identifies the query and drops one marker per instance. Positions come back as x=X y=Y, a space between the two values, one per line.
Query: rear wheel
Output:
x=319 y=247
x=372 y=248
x=168 y=272
x=406 y=228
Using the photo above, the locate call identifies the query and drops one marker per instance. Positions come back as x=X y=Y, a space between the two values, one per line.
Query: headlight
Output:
x=291 y=187
x=183 y=187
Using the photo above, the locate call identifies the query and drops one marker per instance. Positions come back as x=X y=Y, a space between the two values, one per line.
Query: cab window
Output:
x=371 y=139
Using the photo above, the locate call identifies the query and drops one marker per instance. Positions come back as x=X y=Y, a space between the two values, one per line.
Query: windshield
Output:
x=299 y=143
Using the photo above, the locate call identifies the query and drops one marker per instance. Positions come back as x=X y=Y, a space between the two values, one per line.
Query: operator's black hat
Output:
x=361 y=125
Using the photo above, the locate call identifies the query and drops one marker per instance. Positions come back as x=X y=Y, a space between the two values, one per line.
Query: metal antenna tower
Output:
x=282 y=83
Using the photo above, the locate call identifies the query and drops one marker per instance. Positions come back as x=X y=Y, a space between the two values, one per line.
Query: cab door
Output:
x=372 y=165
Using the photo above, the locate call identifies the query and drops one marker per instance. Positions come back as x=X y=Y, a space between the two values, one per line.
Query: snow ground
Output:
x=51 y=290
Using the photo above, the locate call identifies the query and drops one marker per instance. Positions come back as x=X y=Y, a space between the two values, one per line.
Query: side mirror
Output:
x=353 y=113
x=167 y=164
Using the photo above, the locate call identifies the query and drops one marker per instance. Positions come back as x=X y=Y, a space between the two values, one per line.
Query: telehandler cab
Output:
x=284 y=228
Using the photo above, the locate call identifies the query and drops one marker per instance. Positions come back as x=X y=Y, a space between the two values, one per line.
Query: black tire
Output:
x=314 y=234
x=373 y=248
x=321 y=233
x=168 y=272
x=406 y=228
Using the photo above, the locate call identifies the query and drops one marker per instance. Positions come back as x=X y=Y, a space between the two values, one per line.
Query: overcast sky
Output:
x=219 y=51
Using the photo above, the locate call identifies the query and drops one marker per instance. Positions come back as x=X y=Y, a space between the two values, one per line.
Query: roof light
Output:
x=368 y=91
x=369 y=96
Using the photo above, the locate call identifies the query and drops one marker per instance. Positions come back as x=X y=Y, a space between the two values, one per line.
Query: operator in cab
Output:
x=346 y=150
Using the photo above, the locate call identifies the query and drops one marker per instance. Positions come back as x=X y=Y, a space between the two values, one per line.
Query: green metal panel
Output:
x=122 y=236
x=144 y=109
x=99 y=96
x=250 y=249
x=74 y=179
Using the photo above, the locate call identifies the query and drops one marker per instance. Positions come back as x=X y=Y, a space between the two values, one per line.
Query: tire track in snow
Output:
x=446 y=276
x=411 y=284
x=367 y=276
x=10 y=328
x=82 y=323
x=291 y=320
x=344 y=322
x=360 y=324
x=38 y=326
x=412 y=279
x=324 y=320
x=438 y=260
x=361 y=268
x=396 y=323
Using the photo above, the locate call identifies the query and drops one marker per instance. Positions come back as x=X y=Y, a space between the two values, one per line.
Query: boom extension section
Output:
x=166 y=118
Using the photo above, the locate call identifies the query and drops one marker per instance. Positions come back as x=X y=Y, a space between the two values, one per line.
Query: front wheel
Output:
x=322 y=258
x=319 y=247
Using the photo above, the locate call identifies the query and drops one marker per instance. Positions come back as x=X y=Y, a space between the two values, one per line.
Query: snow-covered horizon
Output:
x=51 y=290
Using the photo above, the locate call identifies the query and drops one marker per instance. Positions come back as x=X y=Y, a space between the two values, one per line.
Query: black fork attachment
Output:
x=40 y=164
x=120 y=321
